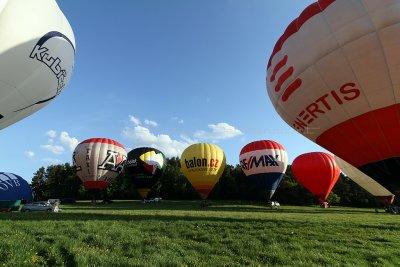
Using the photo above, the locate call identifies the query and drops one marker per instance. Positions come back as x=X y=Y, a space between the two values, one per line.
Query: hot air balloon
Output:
x=264 y=163
x=203 y=165
x=144 y=165
x=334 y=77
x=98 y=161
x=36 y=57
x=13 y=190
x=317 y=172
x=384 y=196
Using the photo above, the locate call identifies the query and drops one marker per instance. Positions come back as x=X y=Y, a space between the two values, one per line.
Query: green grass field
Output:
x=180 y=233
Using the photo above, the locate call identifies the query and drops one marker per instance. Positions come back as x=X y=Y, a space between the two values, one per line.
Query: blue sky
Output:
x=161 y=72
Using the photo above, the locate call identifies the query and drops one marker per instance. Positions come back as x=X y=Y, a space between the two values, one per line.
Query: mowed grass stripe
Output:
x=176 y=233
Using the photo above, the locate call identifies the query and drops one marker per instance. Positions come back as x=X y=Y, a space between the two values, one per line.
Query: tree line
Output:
x=60 y=181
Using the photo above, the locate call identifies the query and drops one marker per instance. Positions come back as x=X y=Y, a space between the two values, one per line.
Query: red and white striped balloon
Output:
x=98 y=161
x=334 y=76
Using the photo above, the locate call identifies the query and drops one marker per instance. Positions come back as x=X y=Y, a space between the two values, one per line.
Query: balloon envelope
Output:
x=36 y=56
x=98 y=161
x=334 y=77
x=144 y=165
x=14 y=187
x=264 y=163
x=374 y=188
x=203 y=165
x=317 y=172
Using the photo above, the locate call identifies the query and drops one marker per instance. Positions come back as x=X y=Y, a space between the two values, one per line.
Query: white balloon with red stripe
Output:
x=334 y=77
x=98 y=161
x=264 y=162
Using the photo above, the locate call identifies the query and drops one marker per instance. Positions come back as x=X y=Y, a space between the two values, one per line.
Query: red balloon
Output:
x=317 y=172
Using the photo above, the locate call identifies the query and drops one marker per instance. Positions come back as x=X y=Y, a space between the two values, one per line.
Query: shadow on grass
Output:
x=170 y=219
x=216 y=206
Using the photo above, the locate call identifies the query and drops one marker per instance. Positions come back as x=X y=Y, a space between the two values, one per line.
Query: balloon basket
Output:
x=324 y=205
x=273 y=205
x=392 y=209
x=205 y=204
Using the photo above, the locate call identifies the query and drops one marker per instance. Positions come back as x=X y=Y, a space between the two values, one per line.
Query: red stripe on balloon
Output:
x=95 y=185
x=260 y=145
x=368 y=138
x=103 y=141
x=279 y=66
x=291 y=89
x=311 y=11
x=283 y=78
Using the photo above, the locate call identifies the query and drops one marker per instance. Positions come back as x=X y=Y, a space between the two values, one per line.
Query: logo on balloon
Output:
x=7 y=184
x=201 y=163
x=46 y=55
x=263 y=161
x=113 y=162
x=292 y=87
x=324 y=104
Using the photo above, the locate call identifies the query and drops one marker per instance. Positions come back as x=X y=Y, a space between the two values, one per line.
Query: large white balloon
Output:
x=98 y=161
x=37 y=50
x=334 y=77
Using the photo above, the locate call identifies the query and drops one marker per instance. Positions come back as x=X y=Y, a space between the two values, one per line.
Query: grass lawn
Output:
x=180 y=233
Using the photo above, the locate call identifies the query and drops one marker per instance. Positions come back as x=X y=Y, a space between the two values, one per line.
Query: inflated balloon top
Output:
x=14 y=187
x=98 y=161
x=333 y=76
x=144 y=165
x=203 y=165
x=37 y=51
x=264 y=162
x=316 y=171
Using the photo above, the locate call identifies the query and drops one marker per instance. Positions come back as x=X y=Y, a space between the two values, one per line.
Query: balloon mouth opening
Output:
x=386 y=200
x=143 y=192
x=95 y=185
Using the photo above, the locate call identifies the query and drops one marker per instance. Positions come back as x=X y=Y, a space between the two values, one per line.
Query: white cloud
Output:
x=51 y=161
x=218 y=131
x=180 y=121
x=142 y=136
x=70 y=142
x=29 y=154
x=51 y=133
x=150 y=123
x=135 y=120
x=55 y=149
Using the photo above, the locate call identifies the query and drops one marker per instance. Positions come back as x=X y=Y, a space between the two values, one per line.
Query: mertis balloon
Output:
x=203 y=165
x=384 y=196
x=37 y=51
x=264 y=162
x=334 y=77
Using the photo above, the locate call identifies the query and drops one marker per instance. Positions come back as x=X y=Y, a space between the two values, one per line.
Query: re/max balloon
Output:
x=334 y=77
x=144 y=165
x=264 y=163
x=37 y=51
x=98 y=161
x=203 y=165
x=14 y=187
x=317 y=172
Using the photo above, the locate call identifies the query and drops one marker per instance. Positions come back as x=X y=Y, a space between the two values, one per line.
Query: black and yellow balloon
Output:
x=144 y=165
x=203 y=165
